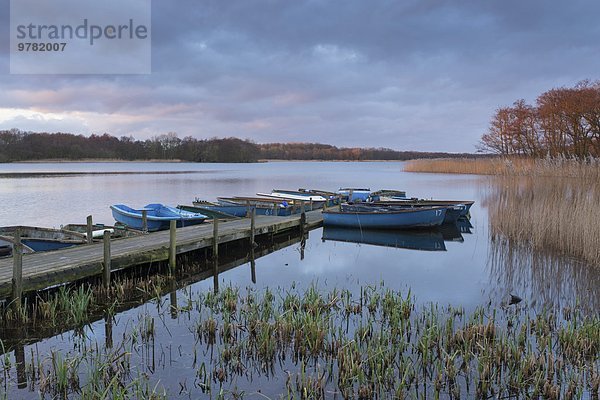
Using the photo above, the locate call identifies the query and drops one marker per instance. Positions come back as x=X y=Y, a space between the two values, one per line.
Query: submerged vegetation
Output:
x=315 y=343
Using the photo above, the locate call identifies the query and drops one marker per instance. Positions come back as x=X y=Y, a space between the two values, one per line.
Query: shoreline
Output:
x=119 y=161
x=91 y=160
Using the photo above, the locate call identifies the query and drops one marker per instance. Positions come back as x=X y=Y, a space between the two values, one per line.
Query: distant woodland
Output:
x=16 y=145
x=564 y=122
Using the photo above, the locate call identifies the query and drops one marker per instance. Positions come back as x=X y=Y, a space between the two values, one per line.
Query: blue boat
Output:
x=265 y=206
x=453 y=212
x=41 y=239
x=241 y=210
x=355 y=194
x=158 y=217
x=428 y=240
x=386 y=219
x=461 y=207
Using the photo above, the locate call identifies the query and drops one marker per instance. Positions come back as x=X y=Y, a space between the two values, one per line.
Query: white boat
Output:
x=297 y=197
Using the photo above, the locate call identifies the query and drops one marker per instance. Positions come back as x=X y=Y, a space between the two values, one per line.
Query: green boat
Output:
x=208 y=211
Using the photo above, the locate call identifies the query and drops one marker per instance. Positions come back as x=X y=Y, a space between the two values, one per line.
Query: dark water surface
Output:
x=460 y=267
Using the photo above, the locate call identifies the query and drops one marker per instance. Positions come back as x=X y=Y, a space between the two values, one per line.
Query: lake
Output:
x=468 y=270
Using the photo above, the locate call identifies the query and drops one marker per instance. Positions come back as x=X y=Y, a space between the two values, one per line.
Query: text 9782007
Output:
x=34 y=46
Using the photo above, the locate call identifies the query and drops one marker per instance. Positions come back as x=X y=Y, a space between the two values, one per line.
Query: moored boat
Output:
x=5 y=250
x=390 y=194
x=42 y=239
x=453 y=212
x=355 y=194
x=294 y=195
x=211 y=210
x=116 y=231
x=316 y=201
x=264 y=205
x=387 y=219
x=332 y=197
x=461 y=207
x=158 y=216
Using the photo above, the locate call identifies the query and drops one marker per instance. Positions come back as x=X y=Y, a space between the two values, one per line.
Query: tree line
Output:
x=563 y=122
x=16 y=145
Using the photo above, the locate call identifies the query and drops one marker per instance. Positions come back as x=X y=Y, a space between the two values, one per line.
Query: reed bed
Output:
x=552 y=206
x=324 y=343
x=588 y=169
x=547 y=214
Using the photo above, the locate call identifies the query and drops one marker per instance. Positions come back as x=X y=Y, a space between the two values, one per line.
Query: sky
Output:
x=418 y=75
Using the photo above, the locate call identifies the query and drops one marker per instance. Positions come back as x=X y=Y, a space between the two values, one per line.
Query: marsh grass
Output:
x=373 y=344
x=515 y=166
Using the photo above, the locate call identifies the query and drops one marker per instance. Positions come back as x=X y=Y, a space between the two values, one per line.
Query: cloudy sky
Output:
x=407 y=74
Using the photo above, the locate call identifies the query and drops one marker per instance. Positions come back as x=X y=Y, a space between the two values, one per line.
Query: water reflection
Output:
x=417 y=239
x=544 y=280
x=428 y=240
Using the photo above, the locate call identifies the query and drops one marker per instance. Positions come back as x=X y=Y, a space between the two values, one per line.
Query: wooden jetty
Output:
x=42 y=270
x=20 y=335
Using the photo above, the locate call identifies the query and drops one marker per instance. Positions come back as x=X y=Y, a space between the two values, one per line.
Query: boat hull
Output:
x=41 y=239
x=396 y=219
x=462 y=207
x=453 y=213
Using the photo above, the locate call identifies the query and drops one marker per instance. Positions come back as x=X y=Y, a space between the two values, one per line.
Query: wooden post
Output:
x=311 y=204
x=173 y=298
x=252 y=227
x=144 y=221
x=216 y=275
x=252 y=266
x=303 y=245
x=275 y=209
x=302 y=221
x=247 y=208
x=106 y=271
x=90 y=230
x=20 y=365
x=350 y=195
x=17 y=279
x=108 y=331
x=215 y=246
x=340 y=202
x=172 y=245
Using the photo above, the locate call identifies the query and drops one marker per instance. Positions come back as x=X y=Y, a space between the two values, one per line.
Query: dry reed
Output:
x=551 y=167
x=555 y=214
x=552 y=206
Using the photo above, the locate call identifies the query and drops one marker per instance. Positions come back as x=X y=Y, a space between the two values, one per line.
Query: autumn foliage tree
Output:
x=563 y=122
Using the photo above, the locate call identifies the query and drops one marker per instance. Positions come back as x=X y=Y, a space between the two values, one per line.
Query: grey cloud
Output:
x=418 y=74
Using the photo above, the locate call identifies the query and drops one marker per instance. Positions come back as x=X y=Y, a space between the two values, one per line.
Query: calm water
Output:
x=467 y=271
x=458 y=275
